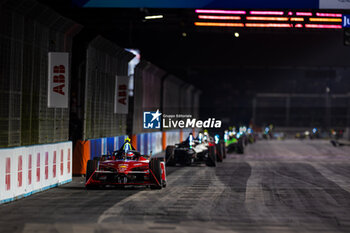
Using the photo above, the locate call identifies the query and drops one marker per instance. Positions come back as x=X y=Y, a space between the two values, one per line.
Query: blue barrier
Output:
x=146 y=142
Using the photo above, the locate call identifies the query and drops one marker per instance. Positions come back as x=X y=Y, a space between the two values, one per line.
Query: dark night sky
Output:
x=204 y=49
x=229 y=70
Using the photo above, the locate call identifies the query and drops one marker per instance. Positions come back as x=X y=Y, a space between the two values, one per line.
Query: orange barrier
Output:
x=181 y=135
x=134 y=141
x=164 y=140
x=80 y=157
x=194 y=133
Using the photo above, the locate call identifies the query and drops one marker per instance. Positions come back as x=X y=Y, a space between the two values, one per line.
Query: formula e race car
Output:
x=191 y=151
x=126 y=169
x=234 y=143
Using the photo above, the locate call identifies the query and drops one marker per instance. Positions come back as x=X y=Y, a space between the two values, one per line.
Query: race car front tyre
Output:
x=211 y=160
x=169 y=155
x=90 y=168
x=156 y=173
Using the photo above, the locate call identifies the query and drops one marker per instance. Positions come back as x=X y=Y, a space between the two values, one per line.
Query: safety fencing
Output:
x=28 y=32
x=27 y=170
x=144 y=142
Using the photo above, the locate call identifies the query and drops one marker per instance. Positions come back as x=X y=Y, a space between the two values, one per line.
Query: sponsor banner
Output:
x=27 y=170
x=58 y=80
x=346 y=21
x=335 y=4
x=121 y=101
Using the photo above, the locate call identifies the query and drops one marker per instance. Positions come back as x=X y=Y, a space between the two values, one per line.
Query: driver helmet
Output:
x=127 y=139
x=130 y=155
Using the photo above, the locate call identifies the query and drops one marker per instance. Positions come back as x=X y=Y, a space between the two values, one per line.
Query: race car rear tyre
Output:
x=189 y=161
x=90 y=168
x=218 y=150
x=223 y=147
x=211 y=160
x=240 y=147
x=169 y=155
x=156 y=177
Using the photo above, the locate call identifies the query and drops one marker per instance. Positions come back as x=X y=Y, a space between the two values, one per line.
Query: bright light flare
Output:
x=269 y=25
x=304 y=13
x=266 y=12
x=221 y=12
x=328 y=14
x=326 y=26
x=267 y=18
x=219 y=17
x=338 y=20
x=154 y=17
x=214 y=24
x=297 y=19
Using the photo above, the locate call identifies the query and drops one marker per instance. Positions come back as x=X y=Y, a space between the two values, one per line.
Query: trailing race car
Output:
x=126 y=168
x=191 y=151
x=234 y=142
x=220 y=149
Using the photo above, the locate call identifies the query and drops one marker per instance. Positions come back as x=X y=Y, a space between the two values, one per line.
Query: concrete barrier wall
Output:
x=31 y=169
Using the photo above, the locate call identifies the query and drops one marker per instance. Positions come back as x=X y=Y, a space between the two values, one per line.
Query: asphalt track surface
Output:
x=277 y=186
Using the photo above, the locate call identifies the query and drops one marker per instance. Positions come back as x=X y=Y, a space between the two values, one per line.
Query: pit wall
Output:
x=31 y=169
x=145 y=143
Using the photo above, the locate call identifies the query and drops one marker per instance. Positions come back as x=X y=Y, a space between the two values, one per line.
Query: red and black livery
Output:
x=126 y=169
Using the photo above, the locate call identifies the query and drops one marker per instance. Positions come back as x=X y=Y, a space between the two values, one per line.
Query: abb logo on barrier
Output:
x=122 y=94
x=59 y=78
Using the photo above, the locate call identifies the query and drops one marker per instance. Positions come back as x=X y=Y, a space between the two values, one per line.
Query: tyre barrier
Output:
x=31 y=169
